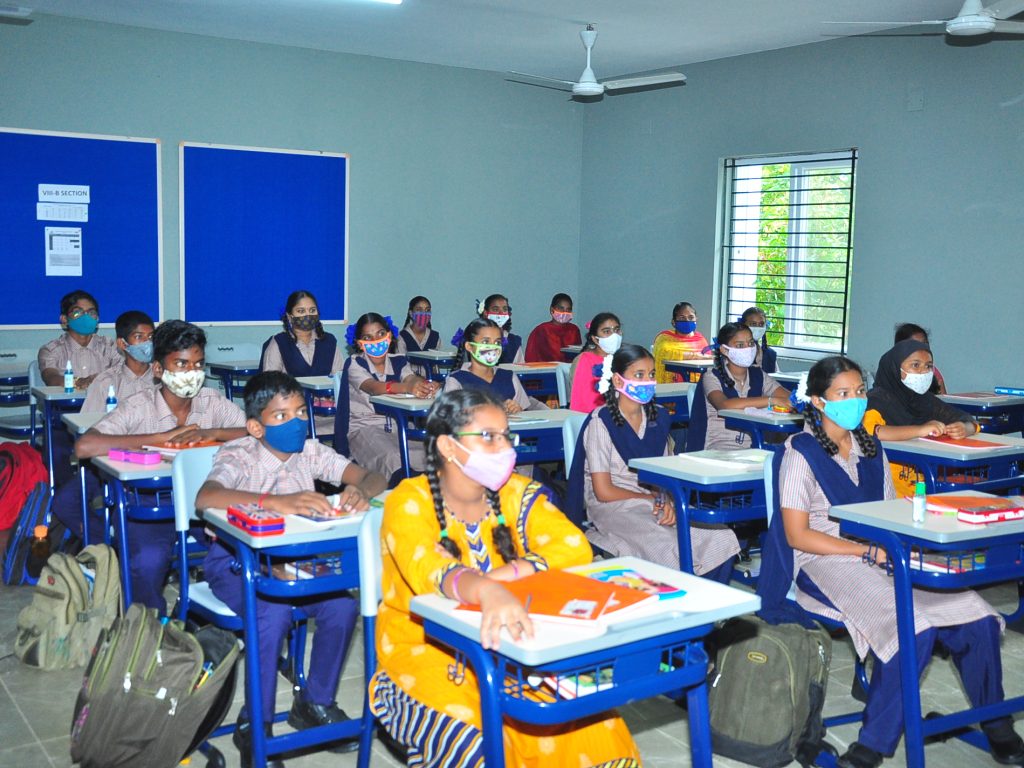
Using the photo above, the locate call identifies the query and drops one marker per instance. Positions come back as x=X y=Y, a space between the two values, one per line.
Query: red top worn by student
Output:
x=547 y=339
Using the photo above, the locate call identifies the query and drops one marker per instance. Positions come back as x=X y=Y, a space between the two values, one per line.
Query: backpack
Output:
x=35 y=511
x=74 y=600
x=153 y=692
x=21 y=468
x=766 y=692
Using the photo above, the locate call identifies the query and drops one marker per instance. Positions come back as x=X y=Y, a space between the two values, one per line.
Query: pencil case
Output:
x=134 y=456
x=256 y=520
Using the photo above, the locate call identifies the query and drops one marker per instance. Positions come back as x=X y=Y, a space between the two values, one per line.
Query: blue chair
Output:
x=370 y=564
x=563 y=379
x=570 y=434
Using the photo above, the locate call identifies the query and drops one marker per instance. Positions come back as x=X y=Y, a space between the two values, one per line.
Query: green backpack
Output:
x=152 y=693
x=75 y=599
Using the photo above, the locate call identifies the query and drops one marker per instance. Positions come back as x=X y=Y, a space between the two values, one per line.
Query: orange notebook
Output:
x=569 y=597
x=963 y=442
x=948 y=504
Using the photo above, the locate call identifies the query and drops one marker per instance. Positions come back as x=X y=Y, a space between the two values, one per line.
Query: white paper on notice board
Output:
x=64 y=193
x=63 y=251
x=62 y=212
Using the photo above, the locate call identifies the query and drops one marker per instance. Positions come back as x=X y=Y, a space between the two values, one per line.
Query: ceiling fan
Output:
x=588 y=85
x=974 y=19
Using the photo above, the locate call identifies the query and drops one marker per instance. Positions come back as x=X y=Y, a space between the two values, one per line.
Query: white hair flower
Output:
x=605 y=379
x=480 y=306
x=800 y=393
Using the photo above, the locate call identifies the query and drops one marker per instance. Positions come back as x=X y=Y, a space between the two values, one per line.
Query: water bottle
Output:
x=69 y=378
x=920 y=503
x=39 y=551
x=111 y=398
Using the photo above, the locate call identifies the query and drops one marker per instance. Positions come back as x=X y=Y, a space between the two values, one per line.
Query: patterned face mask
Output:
x=304 y=322
x=485 y=354
x=377 y=348
x=186 y=384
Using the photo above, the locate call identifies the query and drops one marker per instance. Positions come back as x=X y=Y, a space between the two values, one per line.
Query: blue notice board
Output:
x=78 y=212
x=257 y=224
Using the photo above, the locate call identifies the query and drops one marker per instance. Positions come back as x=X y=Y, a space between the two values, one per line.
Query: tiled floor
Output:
x=36 y=707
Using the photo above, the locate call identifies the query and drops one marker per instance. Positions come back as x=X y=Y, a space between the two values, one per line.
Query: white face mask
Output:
x=184 y=384
x=744 y=358
x=610 y=344
x=500 y=320
x=758 y=331
x=918 y=382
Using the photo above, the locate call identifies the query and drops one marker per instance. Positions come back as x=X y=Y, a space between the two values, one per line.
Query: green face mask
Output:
x=485 y=354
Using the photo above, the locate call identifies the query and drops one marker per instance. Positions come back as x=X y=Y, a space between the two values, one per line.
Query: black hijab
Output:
x=899 y=405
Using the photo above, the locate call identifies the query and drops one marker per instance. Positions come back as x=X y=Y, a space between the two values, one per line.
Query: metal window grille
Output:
x=787 y=246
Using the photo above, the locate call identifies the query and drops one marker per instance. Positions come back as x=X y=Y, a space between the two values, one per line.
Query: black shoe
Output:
x=859 y=756
x=305 y=714
x=1006 y=746
x=243 y=743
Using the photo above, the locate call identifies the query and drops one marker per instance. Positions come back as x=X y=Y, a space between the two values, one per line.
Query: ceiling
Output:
x=536 y=36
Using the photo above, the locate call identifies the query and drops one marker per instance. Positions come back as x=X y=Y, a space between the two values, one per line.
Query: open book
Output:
x=630 y=577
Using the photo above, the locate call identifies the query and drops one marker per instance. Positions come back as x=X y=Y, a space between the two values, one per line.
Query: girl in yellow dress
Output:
x=461 y=530
x=682 y=342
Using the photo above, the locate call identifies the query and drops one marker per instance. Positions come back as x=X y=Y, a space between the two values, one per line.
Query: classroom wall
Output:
x=939 y=200
x=462 y=184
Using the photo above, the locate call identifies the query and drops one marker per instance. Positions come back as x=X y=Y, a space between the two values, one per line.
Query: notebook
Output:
x=963 y=442
x=173 y=449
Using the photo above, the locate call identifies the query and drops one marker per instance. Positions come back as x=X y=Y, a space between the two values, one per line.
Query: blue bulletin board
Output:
x=78 y=212
x=257 y=224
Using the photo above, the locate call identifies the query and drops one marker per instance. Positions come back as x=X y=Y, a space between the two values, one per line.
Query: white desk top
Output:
x=763 y=418
x=704 y=602
x=520 y=368
x=984 y=399
x=551 y=418
x=316 y=383
x=896 y=516
x=57 y=394
x=673 y=388
x=297 y=530
x=1001 y=446
x=80 y=423
x=14 y=369
x=577 y=348
x=708 y=467
x=691 y=362
x=432 y=354
x=235 y=365
x=790 y=378
x=126 y=470
x=403 y=403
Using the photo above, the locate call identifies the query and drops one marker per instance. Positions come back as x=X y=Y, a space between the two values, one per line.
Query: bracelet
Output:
x=515 y=569
x=455 y=584
x=259 y=502
x=388 y=386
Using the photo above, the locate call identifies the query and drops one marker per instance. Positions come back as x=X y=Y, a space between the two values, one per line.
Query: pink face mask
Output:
x=491 y=470
x=561 y=317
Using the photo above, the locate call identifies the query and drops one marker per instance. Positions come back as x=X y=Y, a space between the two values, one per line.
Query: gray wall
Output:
x=939 y=206
x=462 y=184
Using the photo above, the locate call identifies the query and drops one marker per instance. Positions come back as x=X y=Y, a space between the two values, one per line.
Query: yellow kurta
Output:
x=413 y=565
x=904 y=476
x=669 y=345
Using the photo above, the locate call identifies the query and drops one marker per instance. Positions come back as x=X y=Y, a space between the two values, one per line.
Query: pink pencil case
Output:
x=134 y=456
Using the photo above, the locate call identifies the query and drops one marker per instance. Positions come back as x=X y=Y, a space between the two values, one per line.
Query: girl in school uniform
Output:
x=359 y=432
x=733 y=382
x=682 y=342
x=459 y=531
x=604 y=337
x=418 y=335
x=914 y=331
x=836 y=461
x=547 y=339
x=303 y=348
x=767 y=358
x=627 y=518
x=901 y=406
x=496 y=308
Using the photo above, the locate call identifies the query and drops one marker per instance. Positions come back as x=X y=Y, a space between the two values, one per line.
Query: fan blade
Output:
x=645 y=82
x=1010 y=27
x=890 y=23
x=546 y=82
x=1003 y=9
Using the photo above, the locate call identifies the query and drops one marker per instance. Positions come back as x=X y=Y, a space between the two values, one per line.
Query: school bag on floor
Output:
x=74 y=600
x=766 y=692
x=21 y=468
x=152 y=693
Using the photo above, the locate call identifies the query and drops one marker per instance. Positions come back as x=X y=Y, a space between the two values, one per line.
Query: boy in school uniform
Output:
x=180 y=410
x=275 y=466
x=134 y=330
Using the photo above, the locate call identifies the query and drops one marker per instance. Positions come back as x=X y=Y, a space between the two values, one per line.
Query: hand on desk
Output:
x=425 y=389
x=500 y=608
x=958 y=430
x=932 y=429
x=511 y=407
x=352 y=499
x=299 y=503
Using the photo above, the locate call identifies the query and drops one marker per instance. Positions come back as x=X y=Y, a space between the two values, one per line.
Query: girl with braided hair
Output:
x=628 y=519
x=835 y=461
x=460 y=530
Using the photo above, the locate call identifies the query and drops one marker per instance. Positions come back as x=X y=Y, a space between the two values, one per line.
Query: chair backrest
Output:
x=35 y=379
x=564 y=381
x=570 y=434
x=188 y=473
x=228 y=351
x=370 y=562
x=337 y=384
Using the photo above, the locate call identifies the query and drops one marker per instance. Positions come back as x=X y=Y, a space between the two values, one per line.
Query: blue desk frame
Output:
x=231 y=377
x=690 y=371
x=1001 y=467
x=1005 y=418
x=52 y=409
x=433 y=365
x=757 y=431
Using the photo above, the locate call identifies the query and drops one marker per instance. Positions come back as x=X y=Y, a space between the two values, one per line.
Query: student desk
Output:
x=947 y=467
x=889 y=525
x=570 y=352
x=1005 y=411
x=78 y=424
x=725 y=491
x=319 y=386
x=674 y=397
x=756 y=424
x=633 y=647
x=433 y=360
x=787 y=378
x=55 y=401
x=125 y=479
x=690 y=369
x=233 y=373
x=301 y=540
x=540 y=380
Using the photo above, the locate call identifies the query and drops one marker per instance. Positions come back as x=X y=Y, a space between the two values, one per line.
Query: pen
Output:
x=529 y=599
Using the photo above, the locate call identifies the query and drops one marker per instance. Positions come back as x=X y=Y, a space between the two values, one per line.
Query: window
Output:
x=786 y=246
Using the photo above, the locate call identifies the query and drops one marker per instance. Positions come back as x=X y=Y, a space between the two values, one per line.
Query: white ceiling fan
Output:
x=974 y=19
x=588 y=85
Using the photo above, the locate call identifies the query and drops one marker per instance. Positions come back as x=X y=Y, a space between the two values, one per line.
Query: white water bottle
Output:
x=920 y=503
x=111 y=398
x=69 y=378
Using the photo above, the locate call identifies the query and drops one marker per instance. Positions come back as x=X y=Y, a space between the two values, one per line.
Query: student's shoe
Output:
x=1006 y=746
x=243 y=743
x=859 y=756
x=305 y=714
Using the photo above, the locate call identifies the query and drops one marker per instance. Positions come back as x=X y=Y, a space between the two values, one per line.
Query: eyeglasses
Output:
x=76 y=312
x=512 y=438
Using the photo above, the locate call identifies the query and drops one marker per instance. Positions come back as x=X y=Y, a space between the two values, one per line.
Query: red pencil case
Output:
x=256 y=520
x=134 y=456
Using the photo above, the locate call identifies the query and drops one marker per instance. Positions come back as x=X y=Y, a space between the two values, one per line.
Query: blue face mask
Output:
x=638 y=391
x=142 y=352
x=289 y=437
x=848 y=413
x=685 y=326
x=85 y=325
x=376 y=348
